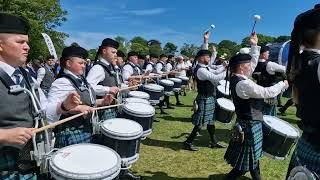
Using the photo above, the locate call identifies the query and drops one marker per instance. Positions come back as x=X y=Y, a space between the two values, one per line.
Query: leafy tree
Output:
x=92 y=54
x=139 y=48
x=189 y=50
x=139 y=40
x=263 y=40
x=170 y=48
x=281 y=39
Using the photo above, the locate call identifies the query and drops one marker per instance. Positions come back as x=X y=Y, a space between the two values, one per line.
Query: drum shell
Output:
x=287 y=93
x=222 y=95
x=125 y=148
x=223 y=115
x=276 y=144
x=166 y=87
x=154 y=95
x=145 y=122
x=131 y=94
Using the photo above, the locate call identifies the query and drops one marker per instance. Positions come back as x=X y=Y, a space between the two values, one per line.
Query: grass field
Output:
x=162 y=156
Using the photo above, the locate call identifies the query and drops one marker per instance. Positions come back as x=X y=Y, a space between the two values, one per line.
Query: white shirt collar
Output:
x=69 y=72
x=7 y=68
x=132 y=64
x=262 y=60
x=104 y=61
x=313 y=50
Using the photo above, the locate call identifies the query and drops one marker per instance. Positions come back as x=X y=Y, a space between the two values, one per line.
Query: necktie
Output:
x=18 y=77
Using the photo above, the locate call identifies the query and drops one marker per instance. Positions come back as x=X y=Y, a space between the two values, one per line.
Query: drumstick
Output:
x=53 y=125
x=130 y=87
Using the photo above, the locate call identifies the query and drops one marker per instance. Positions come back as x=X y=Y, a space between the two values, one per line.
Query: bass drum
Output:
x=279 y=52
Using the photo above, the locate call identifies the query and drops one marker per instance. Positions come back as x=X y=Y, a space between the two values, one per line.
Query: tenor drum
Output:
x=123 y=136
x=223 y=92
x=279 y=52
x=167 y=84
x=278 y=137
x=142 y=114
x=85 y=161
x=185 y=80
x=155 y=91
x=224 y=110
x=177 y=82
x=136 y=100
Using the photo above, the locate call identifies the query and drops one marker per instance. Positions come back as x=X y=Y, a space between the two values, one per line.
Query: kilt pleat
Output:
x=306 y=155
x=205 y=113
x=245 y=156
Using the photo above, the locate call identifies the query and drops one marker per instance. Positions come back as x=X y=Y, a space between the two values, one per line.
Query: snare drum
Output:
x=301 y=173
x=85 y=161
x=185 y=80
x=139 y=94
x=177 y=82
x=167 y=84
x=136 y=100
x=278 y=137
x=123 y=136
x=155 y=91
x=223 y=92
x=141 y=113
x=224 y=110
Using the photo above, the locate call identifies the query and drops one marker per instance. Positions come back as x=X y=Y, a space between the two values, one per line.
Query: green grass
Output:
x=162 y=156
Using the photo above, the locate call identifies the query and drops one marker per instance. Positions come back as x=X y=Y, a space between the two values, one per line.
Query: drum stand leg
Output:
x=125 y=174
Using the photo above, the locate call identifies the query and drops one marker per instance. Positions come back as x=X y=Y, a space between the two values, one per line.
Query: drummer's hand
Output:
x=225 y=63
x=286 y=83
x=253 y=40
x=107 y=100
x=72 y=100
x=206 y=36
x=15 y=135
x=114 y=90
x=82 y=109
x=213 y=48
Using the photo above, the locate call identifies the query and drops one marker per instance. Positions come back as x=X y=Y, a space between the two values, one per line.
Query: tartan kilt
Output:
x=72 y=135
x=8 y=170
x=306 y=155
x=205 y=112
x=108 y=114
x=245 y=156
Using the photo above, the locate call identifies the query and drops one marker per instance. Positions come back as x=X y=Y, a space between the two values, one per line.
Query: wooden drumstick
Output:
x=130 y=87
x=53 y=125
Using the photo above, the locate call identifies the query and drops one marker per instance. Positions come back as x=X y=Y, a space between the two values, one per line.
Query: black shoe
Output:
x=131 y=176
x=162 y=112
x=217 y=145
x=189 y=146
x=179 y=104
x=170 y=107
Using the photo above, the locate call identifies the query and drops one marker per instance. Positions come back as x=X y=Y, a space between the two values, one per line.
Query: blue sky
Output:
x=90 y=21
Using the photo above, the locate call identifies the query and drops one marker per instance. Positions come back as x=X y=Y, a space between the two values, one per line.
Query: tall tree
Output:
x=92 y=54
x=43 y=16
x=170 y=48
x=263 y=40
x=139 y=48
x=189 y=50
x=124 y=45
x=281 y=39
x=139 y=40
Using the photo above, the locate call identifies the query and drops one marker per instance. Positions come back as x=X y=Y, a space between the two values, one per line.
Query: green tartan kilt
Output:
x=108 y=114
x=70 y=136
x=205 y=112
x=306 y=155
x=8 y=167
x=245 y=156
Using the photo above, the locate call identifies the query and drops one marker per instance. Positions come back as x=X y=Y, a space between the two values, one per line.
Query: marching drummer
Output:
x=17 y=112
x=182 y=68
x=70 y=80
x=102 y=76
x=305 y=77
x=266 y=75
x=46 y=74
x=120 y=59
x=245 y=149
x=151 y=65
x=131 y=67
x=204 y=114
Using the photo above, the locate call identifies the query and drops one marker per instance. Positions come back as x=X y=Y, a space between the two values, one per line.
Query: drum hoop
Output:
x=144 y=101
x=147 y=114
x=175 y=80
x=109 y=174
x=122 y=136
x=225 y=93
x=281 y=51
x=281 y=133
x=144 y=94
x=306 y=171
x=125 y=162
x=158 y=90
x=226 y=108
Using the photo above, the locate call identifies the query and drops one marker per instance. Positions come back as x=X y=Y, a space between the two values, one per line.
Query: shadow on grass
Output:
x=201 y=141
x=164 y=176
x=181 y=119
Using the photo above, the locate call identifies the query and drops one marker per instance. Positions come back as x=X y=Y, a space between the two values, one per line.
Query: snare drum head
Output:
x=139 y=94
x=139 y=109
x=85 y=161
x=121 y=128
x=301 y=173
x=224 y=90
x=136 y=100
x=154 y=87
x=280 y=126
x=175 y=80
x=226 y=104
x=184 y=78
x=166 y=82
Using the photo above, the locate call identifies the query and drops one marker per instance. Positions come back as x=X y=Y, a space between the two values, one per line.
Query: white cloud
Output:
x=147 y=12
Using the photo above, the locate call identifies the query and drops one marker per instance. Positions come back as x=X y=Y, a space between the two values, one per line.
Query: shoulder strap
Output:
x=27 y=77
x=6 y=79
x=105 y=67
x=73 y=80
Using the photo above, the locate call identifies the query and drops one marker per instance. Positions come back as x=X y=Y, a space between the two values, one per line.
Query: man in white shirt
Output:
x=46 y=75
x=103 y=76
x=151 y=65
x=131 y=67
x=267 y=74
x=161 y=65
x=17 y=111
